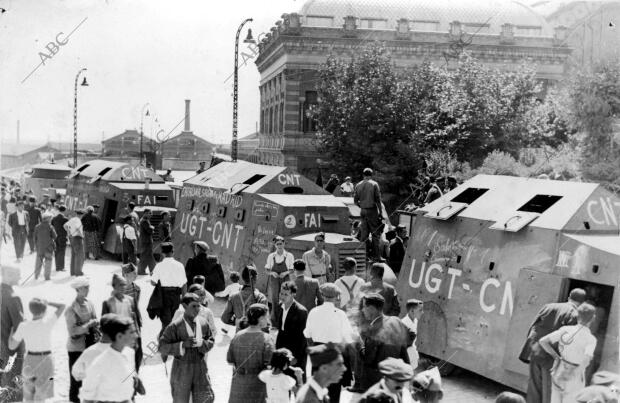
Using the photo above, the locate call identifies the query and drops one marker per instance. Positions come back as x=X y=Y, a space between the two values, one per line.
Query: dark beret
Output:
x=323 y=354
x=167 y=247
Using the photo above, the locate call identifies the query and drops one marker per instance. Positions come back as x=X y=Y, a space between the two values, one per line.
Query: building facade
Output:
x=499 y=34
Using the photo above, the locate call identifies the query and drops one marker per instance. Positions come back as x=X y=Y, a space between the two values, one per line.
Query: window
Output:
x=104 y=171
x=319 y=21
x=282 y=117
x=476 y=28
x=309 y=122
x=425 y=25
x=372 y=23
x=270 y=120
x=83 y=167
x=524 y=30
x=469 y=195
x=539 y=203
x=253 y=179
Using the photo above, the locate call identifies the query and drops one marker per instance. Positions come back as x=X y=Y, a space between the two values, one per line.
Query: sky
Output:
x=136 y=52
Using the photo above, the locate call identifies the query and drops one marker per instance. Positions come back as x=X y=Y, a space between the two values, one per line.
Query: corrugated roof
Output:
x=506 y=194
x=297 y=200
x=13 y=149
x=116 y=171
x=230 y=176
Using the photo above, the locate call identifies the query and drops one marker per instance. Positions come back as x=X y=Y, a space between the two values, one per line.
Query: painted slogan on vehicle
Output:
x=435 y=273
x=225 y=198
x=220 y=232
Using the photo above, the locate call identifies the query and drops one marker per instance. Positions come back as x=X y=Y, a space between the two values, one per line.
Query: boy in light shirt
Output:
x=38 y=368
x=414 y=312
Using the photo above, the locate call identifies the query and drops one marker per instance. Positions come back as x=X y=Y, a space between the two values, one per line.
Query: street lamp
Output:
x=248 y=39
x=141 y=128
x=75 y=146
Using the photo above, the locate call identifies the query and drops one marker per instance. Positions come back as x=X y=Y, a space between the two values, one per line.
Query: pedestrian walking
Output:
x=327 y=369
x=550 y=318
x=129 y=241
x=75 y=231
x=381 y=337
x=250 y=352
x=308 y=293
x=238 y=303
x=34 y=218
x=112 y=377
x=350 y=285
x=376 y=284
x=281 y=386
x=205 y=312
x=170 y=273
x=18 y=221
x=318 y=261
x=126 y=307
x=146 y=244
x=12 y=314
x=83 y=329
x=328 y=324
x=58 y=222
x=572 y=348
x=188 y=340
x=396 y=375
x=44 y=240
x=291 y=321
x=207 y=266
x=367 y=197
x=278 y=267
x=38 y=370
x=92 y=226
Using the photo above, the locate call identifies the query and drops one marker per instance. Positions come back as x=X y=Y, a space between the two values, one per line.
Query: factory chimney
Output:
x=187 y=101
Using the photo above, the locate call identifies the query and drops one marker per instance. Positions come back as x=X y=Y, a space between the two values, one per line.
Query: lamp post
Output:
x=75 y=147
x=248 y=39
x=141 y=128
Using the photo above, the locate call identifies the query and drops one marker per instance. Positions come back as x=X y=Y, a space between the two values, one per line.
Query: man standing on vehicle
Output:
x=549 y=319
x=368 y=198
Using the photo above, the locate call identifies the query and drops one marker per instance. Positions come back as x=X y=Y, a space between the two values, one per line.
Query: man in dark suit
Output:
x=550 y=318
x=18 y=221
x=58 y=223
x=308 y=293
x=34 y=218
x=145 y=241
x=291 y=321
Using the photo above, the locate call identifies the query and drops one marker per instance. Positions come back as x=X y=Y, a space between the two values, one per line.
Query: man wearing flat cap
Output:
x=75 y=232
x=396 y=374
x=327 y=369
x=207 y=266
x=170 y=273
x=328 y=324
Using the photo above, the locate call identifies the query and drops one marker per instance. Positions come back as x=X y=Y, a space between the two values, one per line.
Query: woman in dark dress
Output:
x=207 y=266
x=249 y=352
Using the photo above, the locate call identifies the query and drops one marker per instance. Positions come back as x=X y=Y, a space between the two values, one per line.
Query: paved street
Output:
x=464 y=387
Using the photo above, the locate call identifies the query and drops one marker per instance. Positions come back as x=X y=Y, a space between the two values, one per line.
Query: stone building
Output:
x=127 y=144
x=592 y=28
x=499 y=34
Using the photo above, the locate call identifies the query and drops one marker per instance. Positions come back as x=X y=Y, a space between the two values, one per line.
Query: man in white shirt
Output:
x=110 y=376
x=410 y=320
x=171 y=275
x=349 y=285
x=575 y=350
x=347 y=188
x=328 y=324
x=318 y=261
x=75 y=233
x=38 y=369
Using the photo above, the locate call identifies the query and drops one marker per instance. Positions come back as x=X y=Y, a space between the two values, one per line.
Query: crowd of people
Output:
x=311 y=336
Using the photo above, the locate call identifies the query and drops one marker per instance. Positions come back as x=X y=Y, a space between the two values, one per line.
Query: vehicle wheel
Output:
x=445 y=368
